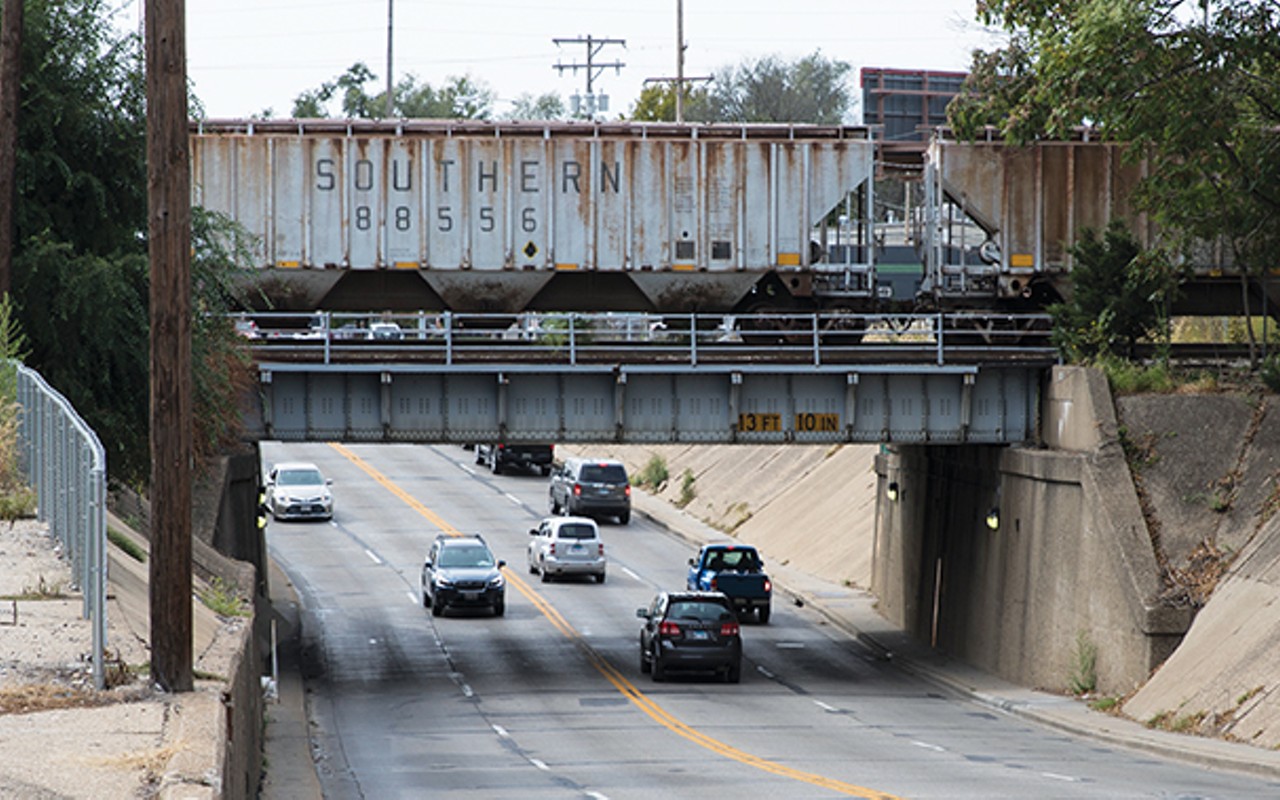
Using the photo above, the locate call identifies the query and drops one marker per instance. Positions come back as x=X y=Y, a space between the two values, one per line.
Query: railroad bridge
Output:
x=636 y=378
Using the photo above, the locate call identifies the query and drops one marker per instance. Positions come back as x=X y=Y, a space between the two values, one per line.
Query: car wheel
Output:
x=546 y=472
x=546 y=576
x=533 y=567
x=624 y=517
x=426 y=601
x=734 y=673
x=479 y=456
x=500 y=608
x=437 y=606
x=552 y=506
x=659 y=673
x=645 y=666
x=495 y=466
x=763 y=613
x=599 y=577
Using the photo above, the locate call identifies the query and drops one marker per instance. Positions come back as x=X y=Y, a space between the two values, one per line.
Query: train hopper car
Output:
x=515 y=216
x=1001 y=220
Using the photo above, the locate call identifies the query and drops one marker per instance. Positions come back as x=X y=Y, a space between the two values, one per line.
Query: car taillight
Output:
x=728 y=629
x=577 y=490
x=768 y=585
x=628 y=490
x=714 y=581
x=600 y=549
x=668 y=628
x=551 y=548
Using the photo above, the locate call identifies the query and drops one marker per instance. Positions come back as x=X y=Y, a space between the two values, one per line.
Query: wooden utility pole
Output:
x=679 y=80
x=169 y=233
x=10 y=92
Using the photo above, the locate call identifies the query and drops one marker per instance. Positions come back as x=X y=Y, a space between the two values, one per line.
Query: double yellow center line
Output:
x=611 y=673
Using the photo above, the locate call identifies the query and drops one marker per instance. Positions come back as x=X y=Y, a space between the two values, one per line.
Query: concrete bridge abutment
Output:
x=1022 y=560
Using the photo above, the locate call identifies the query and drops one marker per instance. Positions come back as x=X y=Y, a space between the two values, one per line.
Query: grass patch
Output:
x=653 y=475
x=1249 y=695
x=1084 y=671
x=1107 y=705
x=130 y=548
x=687 y=492
x=41 y=591
x=221 y=598
x=18 y=503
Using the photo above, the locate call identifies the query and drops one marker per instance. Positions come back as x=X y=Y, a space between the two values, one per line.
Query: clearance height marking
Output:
x=610 y=673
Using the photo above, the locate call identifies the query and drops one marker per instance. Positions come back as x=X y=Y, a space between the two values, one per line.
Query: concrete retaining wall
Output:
x=1069 y=568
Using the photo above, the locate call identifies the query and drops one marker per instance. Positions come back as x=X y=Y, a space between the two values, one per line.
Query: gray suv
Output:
x=591 y=487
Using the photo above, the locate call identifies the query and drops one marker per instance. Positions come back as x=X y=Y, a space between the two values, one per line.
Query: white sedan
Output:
x=298 y=490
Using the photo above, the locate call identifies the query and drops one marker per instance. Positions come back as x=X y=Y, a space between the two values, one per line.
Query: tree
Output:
x=80 y=275
x=1197 y=95
x=460 y=97
x=657 y=103
x=543 y=107
x=1119 y=296
x=812 y=89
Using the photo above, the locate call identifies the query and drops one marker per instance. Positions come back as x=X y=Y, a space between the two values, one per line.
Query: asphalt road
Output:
x=549 y=701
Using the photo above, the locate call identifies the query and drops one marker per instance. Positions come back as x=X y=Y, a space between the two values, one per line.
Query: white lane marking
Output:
x=513 y=498
x=542 y=765
x=598 y=795
x=825 y=707
x=373 y=641
x=790 y=645
x=467 y=469
x=466 y=691
x=372 y=557
x=501 y=731
x=413 y=598
x=632 y=574
x=935 y=748
x=1057 y=777
x=764 y=672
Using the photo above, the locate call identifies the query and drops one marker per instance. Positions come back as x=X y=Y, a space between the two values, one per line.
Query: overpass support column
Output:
x=850 y=405
x=384 y=405
x=620 y=407
x=503 y=381
x=966 y=405
x=735 y=404
x=268 y=401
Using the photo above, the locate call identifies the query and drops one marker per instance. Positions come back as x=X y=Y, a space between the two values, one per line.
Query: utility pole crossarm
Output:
x=592 y=68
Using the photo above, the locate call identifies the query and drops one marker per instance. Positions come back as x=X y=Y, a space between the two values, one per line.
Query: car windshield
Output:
x=700 y=610
x=299 y=477
x=604 y=473
x=466 y=556
x=577 y=532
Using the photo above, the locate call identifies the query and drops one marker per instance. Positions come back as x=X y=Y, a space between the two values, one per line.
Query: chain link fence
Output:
x=66 y=464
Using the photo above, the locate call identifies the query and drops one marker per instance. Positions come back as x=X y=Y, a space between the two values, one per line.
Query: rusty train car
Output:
x=514 y=216
x=722 y=218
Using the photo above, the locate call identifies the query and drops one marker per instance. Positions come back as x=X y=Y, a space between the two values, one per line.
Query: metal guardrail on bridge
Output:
x=649 y=378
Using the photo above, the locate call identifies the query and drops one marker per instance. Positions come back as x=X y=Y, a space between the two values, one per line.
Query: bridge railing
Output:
x=580 y=338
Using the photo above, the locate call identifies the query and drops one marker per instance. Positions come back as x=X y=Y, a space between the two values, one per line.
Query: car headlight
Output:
x=497 y=582
x=443 y=582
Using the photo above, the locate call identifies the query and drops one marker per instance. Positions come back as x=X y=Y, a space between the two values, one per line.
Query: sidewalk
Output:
x=853 y=611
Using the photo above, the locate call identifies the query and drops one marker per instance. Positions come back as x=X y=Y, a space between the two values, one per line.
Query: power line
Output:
x=593 y=69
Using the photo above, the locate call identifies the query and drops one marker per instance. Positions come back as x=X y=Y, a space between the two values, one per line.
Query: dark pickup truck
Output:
x=736 y=571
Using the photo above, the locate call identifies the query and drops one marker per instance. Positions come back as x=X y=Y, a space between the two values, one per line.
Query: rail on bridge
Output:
x=645 y=378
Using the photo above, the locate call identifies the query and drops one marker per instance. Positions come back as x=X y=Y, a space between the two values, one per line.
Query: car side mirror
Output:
x=533 y=531
x=501 y=563
x=328 y=481
x=691 y=561
x=642 y=613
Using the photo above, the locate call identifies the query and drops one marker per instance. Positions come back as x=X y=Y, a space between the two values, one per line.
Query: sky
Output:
x=245 y=57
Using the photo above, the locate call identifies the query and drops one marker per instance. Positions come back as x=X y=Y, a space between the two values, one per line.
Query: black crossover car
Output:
x=460 y=571
x=590 y=487
x=690 y=631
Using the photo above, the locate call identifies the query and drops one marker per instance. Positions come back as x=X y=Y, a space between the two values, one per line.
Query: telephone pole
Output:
x=593 y=69
x=169 y=238
x=679 y=80
x=10 y=85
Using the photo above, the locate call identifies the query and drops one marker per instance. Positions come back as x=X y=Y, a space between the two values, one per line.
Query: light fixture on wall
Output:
x=892 y=491
x=993 y=518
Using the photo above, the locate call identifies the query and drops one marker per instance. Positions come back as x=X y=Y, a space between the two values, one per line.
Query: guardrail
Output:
x=573 y=338
x=66 y=463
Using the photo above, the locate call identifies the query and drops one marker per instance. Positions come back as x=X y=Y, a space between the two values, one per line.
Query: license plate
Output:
x=699 y=635
x=576 y=548
x=470 y=595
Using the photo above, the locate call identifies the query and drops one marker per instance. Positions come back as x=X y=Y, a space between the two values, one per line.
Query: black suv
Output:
x=530 y=456
x=591 y=487
x=693 y=631
x=460 y=571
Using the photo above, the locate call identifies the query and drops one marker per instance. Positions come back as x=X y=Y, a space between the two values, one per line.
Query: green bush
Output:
x=654 y=474
x=1269 y=372
x=686 y=488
